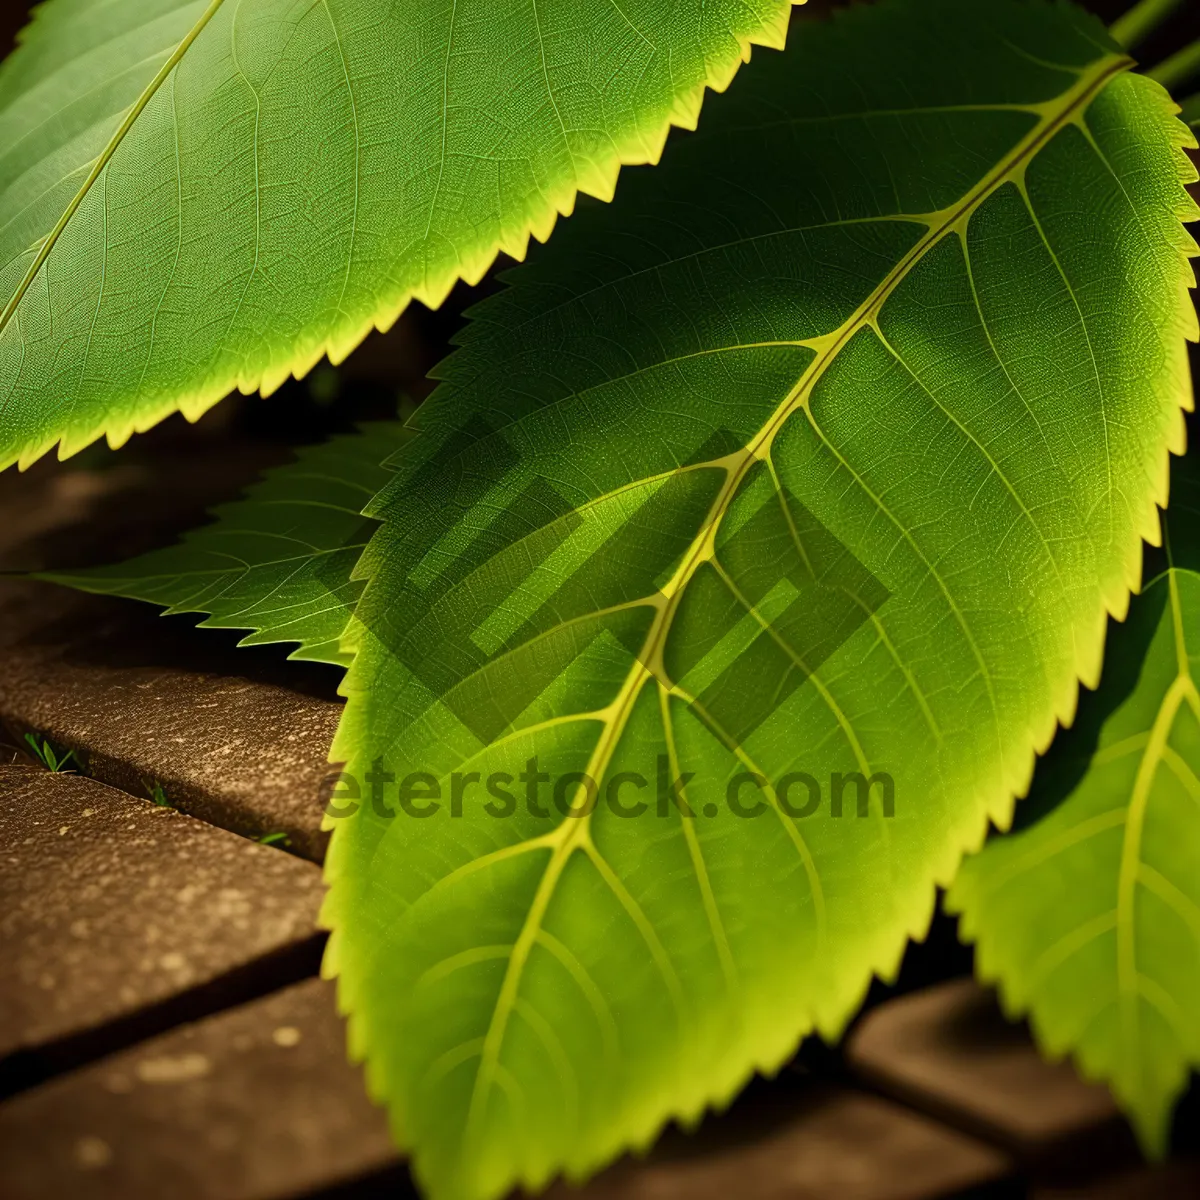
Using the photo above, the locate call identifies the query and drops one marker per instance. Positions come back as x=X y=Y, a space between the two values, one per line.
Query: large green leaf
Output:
x=1089 y=917
x=826 y=449
x=278 y=562
x=201 y=196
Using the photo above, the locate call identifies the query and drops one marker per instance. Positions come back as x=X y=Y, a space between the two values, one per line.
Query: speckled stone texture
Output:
x=100 y=677
x=110 y=906
x=254 y=1103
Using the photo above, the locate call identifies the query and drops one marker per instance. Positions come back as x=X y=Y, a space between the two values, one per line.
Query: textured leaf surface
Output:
x=824 y=450
x=278 y=562
x=1089 y=918
x=201 y=196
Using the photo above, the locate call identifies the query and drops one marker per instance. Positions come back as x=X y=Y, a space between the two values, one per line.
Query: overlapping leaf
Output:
x=197 y=196
x=278 y=562
x=1089 y=917
x=822 y=453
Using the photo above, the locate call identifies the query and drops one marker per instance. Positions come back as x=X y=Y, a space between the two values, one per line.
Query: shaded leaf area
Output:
x=200 y=196
x=817 y=460
x=278 y=562
x=1089 y=915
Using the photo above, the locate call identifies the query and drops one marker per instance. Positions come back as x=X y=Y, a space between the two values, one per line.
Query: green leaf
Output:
x=1089 y=918
x=825 y=450
x=1191 y=111
x=279 y=561
x=48 y=756
x=199 y=197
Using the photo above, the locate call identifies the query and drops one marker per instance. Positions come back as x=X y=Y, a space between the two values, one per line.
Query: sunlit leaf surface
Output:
x=1089 y=917
x=197 y=196
x=818 y=458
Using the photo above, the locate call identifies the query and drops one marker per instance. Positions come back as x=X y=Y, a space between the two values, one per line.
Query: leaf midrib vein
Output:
x=105 y=157
x=100 y=119
x=575 y=835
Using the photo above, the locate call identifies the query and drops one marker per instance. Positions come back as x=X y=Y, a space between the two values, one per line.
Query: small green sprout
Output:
x=158 y=795
x=274 y=839
x=49 y=758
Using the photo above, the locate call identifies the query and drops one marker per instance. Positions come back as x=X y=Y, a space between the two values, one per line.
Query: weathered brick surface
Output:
x=256 y=1103
x=104 y=678
x=110 y=906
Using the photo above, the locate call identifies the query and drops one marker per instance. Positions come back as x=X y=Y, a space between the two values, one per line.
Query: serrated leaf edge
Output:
x=599 y=183
x=998 y=806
